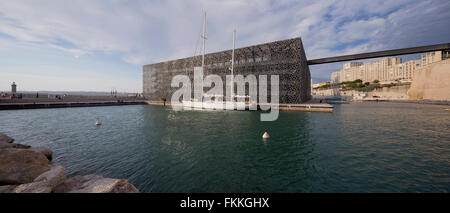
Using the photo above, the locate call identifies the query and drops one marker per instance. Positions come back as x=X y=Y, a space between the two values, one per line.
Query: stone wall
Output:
x=284 y=58
x=431 y=82
x=390 y=93
x=323 y=92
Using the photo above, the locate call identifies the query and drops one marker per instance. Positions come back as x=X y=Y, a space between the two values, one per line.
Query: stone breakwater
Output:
x=26 y=169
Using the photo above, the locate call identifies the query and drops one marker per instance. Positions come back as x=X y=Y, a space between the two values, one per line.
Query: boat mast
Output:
x=203 y=39
x=232 y=66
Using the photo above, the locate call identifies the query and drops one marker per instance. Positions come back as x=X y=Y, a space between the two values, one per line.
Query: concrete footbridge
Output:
x=384 y=53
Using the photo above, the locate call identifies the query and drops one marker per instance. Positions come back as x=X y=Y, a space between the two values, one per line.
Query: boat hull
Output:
x=218 y=105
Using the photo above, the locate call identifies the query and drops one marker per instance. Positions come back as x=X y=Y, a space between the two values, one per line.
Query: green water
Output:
x=360 y=147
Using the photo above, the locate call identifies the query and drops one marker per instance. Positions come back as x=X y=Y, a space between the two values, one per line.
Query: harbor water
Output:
x=360 y=147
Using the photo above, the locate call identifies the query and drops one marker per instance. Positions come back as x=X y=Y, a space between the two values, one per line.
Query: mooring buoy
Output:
x=265 y=135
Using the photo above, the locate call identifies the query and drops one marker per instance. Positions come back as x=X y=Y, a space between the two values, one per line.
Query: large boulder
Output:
x=47 y=152
x=53 y=177
x=34 y=187
x=5 y=138
x=4 y=145
x=95 y=184
x=75 y=183
x=18 y=166
x=44 y=183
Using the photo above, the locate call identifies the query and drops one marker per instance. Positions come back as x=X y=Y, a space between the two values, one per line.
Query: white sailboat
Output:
x=214 y=103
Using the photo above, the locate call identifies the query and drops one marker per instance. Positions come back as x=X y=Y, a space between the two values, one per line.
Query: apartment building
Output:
x=386 y=69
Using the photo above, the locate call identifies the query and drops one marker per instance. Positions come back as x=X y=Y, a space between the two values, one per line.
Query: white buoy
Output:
x=98 y=123
x=265 y=135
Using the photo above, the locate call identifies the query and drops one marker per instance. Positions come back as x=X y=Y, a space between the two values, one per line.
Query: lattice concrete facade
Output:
x=284 y=58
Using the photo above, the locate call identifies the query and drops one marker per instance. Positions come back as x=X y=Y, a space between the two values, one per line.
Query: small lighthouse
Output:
x=13 y=88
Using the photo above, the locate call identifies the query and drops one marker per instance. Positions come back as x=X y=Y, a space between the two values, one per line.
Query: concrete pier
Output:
x=34 y=105
x=310 y=106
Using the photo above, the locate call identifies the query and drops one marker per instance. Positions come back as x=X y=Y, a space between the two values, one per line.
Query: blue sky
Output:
x=97 y=45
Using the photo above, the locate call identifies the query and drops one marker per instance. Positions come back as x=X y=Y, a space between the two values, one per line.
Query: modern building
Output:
x=285 y=58
x=386 y=69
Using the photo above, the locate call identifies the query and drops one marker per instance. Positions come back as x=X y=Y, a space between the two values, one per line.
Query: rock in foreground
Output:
x=4 y=145
x=19 y=166
x=45 y=182
x=54 y=177
x=26 y=170
x=47 y=152
x=95 y=184
x=5 y=138
x=34 y=187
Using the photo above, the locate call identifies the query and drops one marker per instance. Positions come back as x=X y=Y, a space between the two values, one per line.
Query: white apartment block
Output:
x=386 y=69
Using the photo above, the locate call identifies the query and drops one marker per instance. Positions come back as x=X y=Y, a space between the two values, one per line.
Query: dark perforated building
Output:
x=285 y=58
